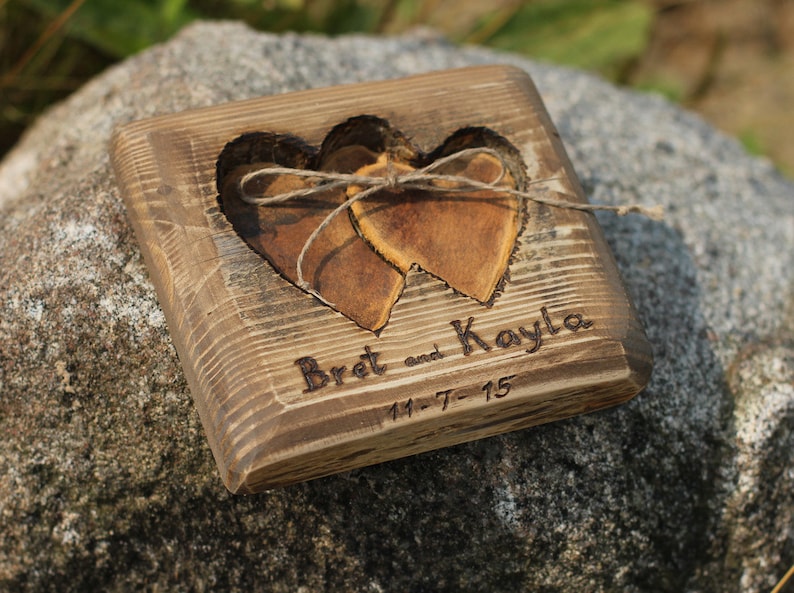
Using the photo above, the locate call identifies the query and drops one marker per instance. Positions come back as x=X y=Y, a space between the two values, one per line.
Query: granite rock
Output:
x=106 y=480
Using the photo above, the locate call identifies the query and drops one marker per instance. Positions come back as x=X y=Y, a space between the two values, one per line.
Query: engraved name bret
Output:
x=368 y=364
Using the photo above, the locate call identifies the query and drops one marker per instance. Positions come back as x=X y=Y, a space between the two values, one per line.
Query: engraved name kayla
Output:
x=369 y=363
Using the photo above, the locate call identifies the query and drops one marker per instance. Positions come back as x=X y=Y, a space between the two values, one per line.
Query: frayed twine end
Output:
x=653 y=212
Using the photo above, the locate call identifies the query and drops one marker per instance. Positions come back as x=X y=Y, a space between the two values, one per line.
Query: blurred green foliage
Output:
x=751 y=142
x=601 y=35
x=117 y=28
x=48 y=48
x=671 y=89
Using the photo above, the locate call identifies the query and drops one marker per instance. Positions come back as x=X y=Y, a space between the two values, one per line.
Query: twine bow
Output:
x=424 y=179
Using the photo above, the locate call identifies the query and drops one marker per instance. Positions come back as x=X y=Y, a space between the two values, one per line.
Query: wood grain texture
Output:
x=561 y=339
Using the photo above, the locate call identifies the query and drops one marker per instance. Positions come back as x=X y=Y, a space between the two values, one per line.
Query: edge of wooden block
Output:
x=364 y=450
x=632 y=358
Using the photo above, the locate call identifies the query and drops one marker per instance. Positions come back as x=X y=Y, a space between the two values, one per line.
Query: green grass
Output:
x=751 y=142
x=600 y=35
x=48 y=48
x=671 y=90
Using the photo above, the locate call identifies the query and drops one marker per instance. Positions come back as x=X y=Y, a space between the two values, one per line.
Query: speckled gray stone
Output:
x=107 y=483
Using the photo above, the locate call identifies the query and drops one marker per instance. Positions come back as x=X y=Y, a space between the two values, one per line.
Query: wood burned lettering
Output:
x=493 y=390
x=317 y=378
x=500 y=390
x=369 y=365
x=436 y=354
x=531 y=339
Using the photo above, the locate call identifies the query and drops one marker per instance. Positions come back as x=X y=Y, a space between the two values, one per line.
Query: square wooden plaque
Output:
x=561 y=339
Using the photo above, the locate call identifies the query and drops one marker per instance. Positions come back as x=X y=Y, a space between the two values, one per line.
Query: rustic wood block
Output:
x=289 y=389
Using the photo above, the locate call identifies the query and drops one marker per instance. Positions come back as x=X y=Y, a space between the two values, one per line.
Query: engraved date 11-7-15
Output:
x=491 y=390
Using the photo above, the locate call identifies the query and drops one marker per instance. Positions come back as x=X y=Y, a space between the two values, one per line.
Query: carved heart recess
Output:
x=359 y=261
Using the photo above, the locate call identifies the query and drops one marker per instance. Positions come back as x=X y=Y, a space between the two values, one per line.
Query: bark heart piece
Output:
x=464 y=240
x=339 y=265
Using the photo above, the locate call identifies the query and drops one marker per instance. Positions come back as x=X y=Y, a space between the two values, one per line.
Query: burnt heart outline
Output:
x=350 y=146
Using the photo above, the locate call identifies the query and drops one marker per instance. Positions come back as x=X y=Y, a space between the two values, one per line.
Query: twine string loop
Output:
x=423 y=179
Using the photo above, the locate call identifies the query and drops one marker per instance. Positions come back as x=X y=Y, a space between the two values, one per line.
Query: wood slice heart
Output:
x=359 y=261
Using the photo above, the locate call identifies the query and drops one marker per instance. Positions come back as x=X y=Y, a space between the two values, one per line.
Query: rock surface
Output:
x=107 y=483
